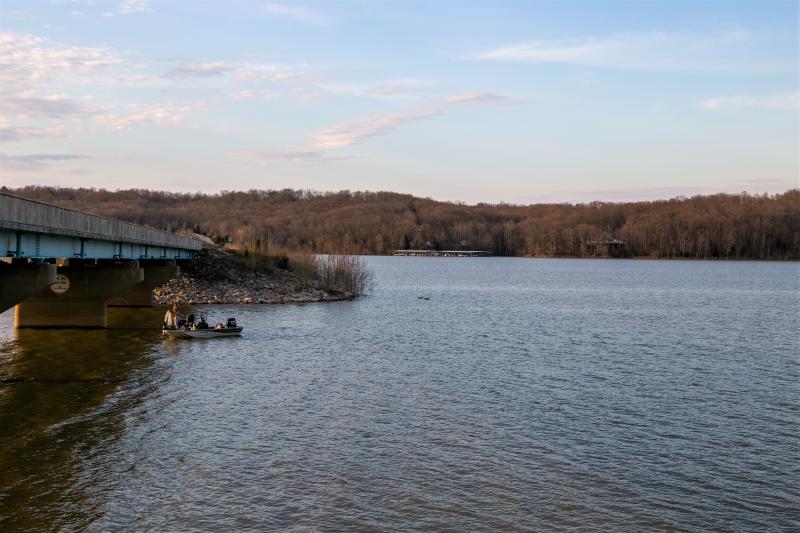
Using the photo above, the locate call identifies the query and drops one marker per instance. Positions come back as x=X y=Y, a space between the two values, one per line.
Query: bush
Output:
x=280 y=261
x=304 y=265
x=348 y=273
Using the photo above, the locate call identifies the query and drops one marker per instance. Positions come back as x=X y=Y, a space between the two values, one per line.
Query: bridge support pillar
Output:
x=20 y=279
x=156 y=273
x=78 y=297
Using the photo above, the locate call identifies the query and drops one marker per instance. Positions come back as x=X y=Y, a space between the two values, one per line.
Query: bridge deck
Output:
x=35 y=229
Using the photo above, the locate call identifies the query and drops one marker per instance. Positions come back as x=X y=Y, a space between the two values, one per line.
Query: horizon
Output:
x=4 y=189
x=513 y=102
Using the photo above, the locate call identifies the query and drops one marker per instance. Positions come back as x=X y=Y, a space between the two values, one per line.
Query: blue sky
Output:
x=471 y=101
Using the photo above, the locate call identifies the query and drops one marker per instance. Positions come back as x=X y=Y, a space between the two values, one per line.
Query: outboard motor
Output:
x=230 y=323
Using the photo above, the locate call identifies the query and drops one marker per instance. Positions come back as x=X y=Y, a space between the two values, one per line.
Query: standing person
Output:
x=168 y=319
x=176 y=316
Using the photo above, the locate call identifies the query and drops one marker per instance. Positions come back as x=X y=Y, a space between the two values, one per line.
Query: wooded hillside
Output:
x=716 y=226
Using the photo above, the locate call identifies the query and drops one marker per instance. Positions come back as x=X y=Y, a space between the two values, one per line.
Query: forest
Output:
x=725 y=226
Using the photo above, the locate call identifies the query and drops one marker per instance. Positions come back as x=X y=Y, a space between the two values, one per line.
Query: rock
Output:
x=221 y=278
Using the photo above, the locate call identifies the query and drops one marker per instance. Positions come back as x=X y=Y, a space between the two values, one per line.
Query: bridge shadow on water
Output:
x=65 y=396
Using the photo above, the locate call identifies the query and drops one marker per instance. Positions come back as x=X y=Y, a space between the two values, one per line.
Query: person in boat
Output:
x=190 y=321
x=202 y=324
x=171 y=317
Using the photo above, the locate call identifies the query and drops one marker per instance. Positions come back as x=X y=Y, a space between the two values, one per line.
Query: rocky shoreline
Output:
x=221 y=277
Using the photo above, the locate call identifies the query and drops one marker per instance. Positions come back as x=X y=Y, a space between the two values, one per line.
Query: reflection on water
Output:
x=64 y=395
x=524 y=395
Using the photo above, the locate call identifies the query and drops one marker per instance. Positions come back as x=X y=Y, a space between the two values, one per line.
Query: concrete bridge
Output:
x=61 y=268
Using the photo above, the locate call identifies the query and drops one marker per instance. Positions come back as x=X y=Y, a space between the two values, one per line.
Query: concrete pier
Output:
x=78 y=296
x=156 y=273
x=20 y=279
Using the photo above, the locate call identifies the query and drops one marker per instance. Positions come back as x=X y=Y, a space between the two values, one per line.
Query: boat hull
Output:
x=212 y=333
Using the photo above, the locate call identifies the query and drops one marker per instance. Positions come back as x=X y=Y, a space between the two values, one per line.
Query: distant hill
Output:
x=717 y=226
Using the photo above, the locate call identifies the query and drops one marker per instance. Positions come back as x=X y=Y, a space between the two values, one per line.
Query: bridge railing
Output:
x=37 y=217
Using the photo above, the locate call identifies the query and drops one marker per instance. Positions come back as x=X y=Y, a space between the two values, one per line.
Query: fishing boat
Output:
x=202 y=333
x=230 y=329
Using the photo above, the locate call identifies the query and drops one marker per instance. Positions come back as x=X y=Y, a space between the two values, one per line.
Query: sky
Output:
x=501 y=101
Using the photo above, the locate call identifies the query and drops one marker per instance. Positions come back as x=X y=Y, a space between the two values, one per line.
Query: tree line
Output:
x=731 y=226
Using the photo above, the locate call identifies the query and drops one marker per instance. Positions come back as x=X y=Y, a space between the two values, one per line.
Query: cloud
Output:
x=130 y=7
x=11 y=133
x=52 y=106
x=301 y=156
x=212 y=69
x=250 y=72
x=391 y=89
x=299 y=13
x=778 y=102
x=479 y=98
x=30 y=66
x=29 y=61
x=355 y=131
x=643 y=51
x=32 y=161
x=169 y=114
x=247 y=94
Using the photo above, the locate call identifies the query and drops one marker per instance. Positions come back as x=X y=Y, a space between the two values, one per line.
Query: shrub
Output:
x=348 y=273
x=304 y=265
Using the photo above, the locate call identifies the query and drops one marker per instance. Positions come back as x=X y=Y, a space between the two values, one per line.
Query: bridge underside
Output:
x=78 y=298
x=77 y=292
x=156 y=273
x=20 y=279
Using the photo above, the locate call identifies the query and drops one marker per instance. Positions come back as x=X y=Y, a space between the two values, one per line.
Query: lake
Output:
x=523 y=395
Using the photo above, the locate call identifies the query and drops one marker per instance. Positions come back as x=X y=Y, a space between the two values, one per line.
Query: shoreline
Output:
x=634 y=258
x=219 y=277
x=187 y=290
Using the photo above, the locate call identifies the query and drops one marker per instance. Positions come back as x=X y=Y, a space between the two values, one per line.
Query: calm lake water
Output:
x=525 y=395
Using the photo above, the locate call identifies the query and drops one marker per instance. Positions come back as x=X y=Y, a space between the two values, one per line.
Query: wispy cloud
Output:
x=643 y=51
x=480 y=98
x=296 y=12
x=52 y=106
x=168 y=114
x=240 y=71
x=781 y=102
x=295 y=156
x=247 y=94
x=211 y=69
x=35 y=161
x=388 y=89
x=15 y=133
x=130 y=7
x=352 y=132
x=28 y=61
x=355 y=131
x=29 y=67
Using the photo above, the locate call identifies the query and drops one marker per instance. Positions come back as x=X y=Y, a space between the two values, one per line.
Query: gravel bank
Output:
x=222 y=277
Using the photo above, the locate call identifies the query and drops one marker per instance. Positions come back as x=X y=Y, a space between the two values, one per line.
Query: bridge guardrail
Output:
x=37 y=217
